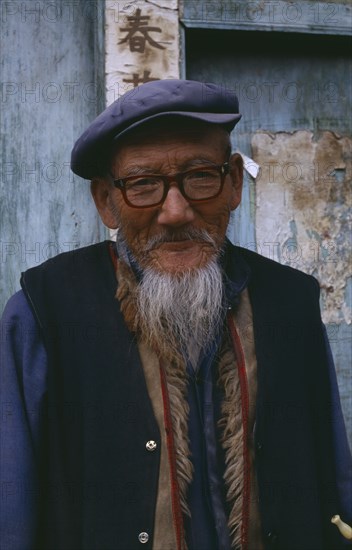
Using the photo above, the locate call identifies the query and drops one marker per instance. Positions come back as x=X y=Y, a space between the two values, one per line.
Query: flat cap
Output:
x=182 y=98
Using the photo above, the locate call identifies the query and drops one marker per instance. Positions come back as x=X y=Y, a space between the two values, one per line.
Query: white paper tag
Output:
x=249 y=165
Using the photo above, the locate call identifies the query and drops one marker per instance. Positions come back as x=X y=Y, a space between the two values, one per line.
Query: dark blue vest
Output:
x=99 y=482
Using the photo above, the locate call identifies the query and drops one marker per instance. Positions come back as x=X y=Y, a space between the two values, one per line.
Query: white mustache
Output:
x=192 y=234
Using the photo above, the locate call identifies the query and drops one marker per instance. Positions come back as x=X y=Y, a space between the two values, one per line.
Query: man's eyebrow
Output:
x=136 y=170
x=199 y=161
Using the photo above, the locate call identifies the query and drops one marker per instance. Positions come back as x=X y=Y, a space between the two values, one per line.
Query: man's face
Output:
x=170 y=237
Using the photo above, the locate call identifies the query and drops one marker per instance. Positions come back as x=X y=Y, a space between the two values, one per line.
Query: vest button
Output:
x=151 y=445
x=143 y=537
x=271 y=537
x=259 y=447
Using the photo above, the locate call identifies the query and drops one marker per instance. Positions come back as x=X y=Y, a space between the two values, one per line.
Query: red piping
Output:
x=113 y=255
x=175 y=491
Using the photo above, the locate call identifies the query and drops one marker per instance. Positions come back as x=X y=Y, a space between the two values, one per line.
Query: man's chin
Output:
x=180 y=257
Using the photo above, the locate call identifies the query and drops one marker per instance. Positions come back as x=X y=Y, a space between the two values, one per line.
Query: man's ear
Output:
x=102 y=190
x=236 y=174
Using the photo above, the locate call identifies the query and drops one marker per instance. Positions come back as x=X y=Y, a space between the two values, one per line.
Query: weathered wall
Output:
x=310 y=16
x=52 y=86
x=304 y=206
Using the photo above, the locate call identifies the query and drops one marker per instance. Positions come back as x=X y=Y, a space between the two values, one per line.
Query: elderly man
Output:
x=169 y=390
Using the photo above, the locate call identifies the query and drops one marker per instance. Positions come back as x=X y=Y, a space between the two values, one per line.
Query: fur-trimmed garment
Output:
x=237 y=378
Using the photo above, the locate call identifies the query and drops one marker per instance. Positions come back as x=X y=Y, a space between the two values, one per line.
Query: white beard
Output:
x=182 y=312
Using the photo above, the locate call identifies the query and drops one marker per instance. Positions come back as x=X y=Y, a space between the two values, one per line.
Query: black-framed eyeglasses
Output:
x=196 y=185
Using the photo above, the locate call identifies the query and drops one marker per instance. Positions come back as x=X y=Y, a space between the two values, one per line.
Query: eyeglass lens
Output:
x=197 y=185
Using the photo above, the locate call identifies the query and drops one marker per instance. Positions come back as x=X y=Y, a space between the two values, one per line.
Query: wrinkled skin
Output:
x=168 y=151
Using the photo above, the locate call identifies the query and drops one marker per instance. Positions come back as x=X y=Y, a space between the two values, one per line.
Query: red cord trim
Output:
x=175 y=491
x=113 y=255
x=241 y=365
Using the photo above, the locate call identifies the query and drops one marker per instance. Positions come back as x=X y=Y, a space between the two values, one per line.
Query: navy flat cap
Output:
x=182 y=98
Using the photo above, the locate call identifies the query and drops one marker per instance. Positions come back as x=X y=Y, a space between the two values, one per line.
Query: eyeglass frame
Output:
x=223 y=169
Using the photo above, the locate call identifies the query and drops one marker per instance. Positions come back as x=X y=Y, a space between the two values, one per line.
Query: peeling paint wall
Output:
x=50 y=90
x=303 y=199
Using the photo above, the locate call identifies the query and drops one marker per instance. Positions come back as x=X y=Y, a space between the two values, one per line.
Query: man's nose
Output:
x=175 y=209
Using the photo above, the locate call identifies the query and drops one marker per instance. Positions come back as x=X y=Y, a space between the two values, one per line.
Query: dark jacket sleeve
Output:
x=343 y=459
x=23 y=366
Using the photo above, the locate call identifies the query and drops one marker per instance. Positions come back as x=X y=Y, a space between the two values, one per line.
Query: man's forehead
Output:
x=197 y=101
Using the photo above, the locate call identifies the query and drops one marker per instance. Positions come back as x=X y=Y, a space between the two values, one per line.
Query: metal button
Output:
x=143 y=537
x=151 y=445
